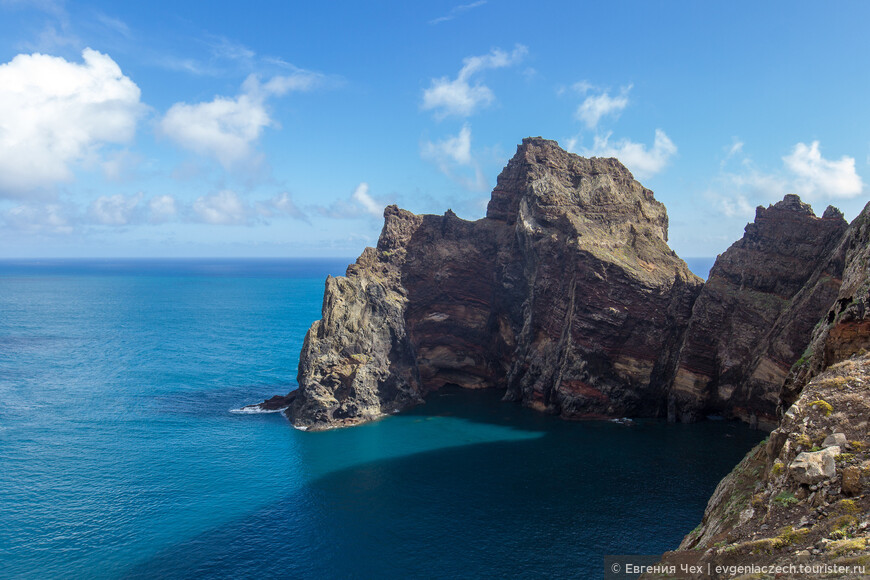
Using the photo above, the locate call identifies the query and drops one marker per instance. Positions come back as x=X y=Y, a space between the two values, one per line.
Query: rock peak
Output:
x=792 y=202
x=542 y=180
x=792 y=208
x=832 y=212
x=572 y=255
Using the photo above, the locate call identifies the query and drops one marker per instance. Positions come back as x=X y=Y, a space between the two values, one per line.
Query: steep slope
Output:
x=801 y=498
x=753 y=318
x=605 y=299
x=566 y=295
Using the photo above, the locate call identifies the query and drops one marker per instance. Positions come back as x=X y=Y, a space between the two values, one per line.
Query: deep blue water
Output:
x=119 y=457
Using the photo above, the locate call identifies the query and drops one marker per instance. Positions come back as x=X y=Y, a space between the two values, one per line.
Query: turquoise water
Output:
x=119 y=457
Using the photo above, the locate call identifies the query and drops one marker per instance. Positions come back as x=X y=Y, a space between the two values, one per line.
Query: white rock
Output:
x=814 y=467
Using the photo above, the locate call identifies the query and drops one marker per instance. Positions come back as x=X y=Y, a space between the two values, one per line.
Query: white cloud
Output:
x=227 y=128
x=734 y=206
x=222 y=208
x=39 y=219
x=162 y=208
x=454 y=159
x=641 y=160
x=360 y=203
x=362 y=197
x=114 y=210
x=583 y=87
x=816 y=177
x=458 y=97
x=223 y=128
x=735 y=149
x=456 y=11
x=280 y=204
x=594 y=107
x=54 y=113
x=804 y=171
x=457 y=149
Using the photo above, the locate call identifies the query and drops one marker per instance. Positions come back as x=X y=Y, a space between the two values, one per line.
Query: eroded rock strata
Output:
x=756 y=312
x=566 y=295
x=801 y=497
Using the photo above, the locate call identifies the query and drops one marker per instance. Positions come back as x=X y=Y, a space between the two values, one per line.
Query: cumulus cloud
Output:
x=734 y=206
x=458 y=97
x=114 y=210
x=454 y=159
x=222 y=208
x=39 y=219
x=456 y=149
x=804 y=171
x=817 y=177
x=228 y=128
x=162 y=208
x=54 y=113
x=280 y=205
x=595 y=107
x=643 y=161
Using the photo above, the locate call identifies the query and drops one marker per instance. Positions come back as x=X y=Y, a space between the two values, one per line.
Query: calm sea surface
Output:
x=119 y=457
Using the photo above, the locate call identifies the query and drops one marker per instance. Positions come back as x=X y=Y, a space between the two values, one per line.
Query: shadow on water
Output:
x=545 y=506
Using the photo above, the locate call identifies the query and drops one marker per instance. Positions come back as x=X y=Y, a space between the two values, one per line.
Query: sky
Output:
x=282 y=129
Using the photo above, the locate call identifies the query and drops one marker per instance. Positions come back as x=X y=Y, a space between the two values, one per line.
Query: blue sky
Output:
x=283 y=129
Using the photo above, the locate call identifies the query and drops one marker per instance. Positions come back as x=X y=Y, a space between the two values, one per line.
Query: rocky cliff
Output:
x=801 y=498
x=566 y=295
x=756 y=312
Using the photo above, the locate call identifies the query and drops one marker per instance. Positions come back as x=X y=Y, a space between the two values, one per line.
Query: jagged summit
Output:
x=542 y=176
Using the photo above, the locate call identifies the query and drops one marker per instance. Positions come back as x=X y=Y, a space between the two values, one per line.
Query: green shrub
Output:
x=785 y=499
x=824 y=406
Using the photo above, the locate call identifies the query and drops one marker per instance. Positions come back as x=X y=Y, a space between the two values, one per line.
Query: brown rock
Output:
x=756 y=312
x=852 y=480
x=566 y=295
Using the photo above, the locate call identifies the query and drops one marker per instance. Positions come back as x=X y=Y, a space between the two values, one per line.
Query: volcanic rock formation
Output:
x=566 y=295
x=756 y=312
x=801 y=497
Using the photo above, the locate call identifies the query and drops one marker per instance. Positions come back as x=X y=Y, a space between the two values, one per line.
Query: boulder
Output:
x=812 y=467
x=835 y=440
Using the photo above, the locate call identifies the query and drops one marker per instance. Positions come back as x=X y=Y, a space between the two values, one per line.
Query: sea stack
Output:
x=566 y=296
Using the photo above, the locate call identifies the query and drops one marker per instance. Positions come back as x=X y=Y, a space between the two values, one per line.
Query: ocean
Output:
x=120 y=458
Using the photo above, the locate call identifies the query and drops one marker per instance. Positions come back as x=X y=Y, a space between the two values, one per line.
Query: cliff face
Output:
x=756 y=312
x=604 y=300
x=566 y=295
x=801 y=498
